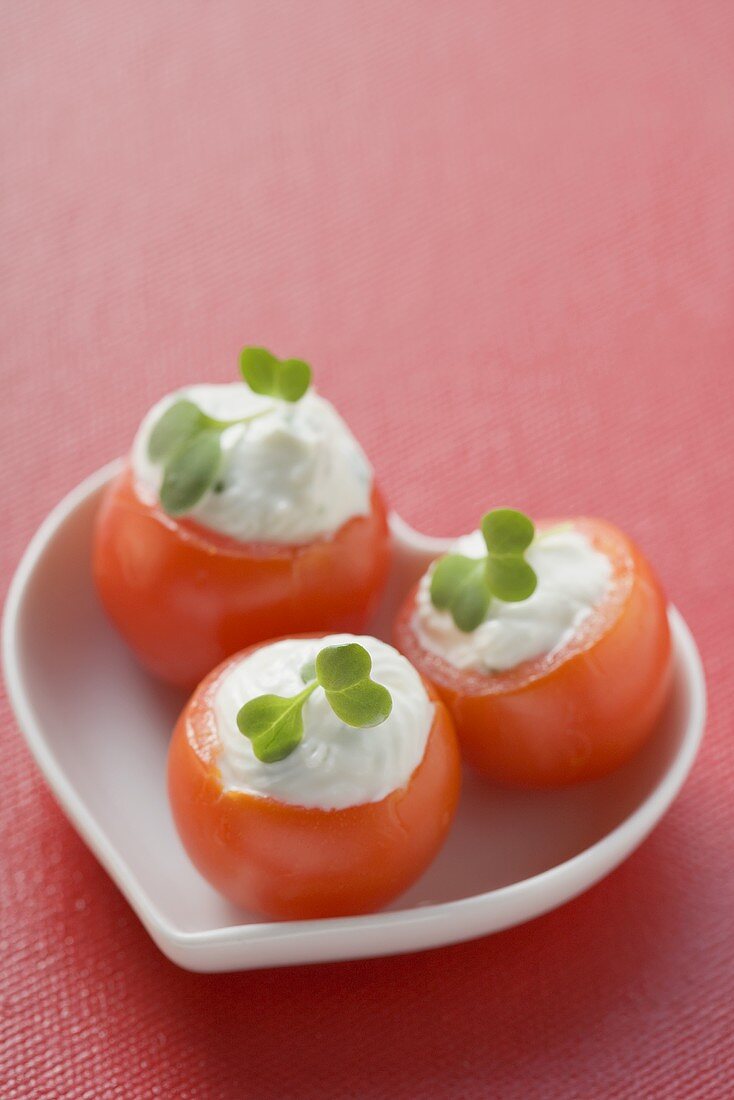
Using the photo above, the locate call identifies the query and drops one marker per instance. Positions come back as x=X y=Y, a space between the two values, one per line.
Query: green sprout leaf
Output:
x=510 y=578
x=507 y=531
x=274 y=724
x=294 y=378
x=190 y=472
x=470 y=603
x=363 y=705
x=458 y=585
x=343 y=672
x=464 y=586
x=186 y=440
x=342 y=666
x=508 y=534
x=265 y=374
x=178 y=425
x=450 y=573
x=259 y=370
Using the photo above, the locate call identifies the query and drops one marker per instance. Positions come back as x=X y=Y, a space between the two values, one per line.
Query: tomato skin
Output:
x=580 y=713
x=291 y=862
x=185 y=598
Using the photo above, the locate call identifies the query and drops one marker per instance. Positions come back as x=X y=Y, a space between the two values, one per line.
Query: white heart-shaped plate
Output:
x=98 y=727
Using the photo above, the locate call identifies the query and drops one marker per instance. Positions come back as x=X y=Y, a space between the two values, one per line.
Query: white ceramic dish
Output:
x=98 y=728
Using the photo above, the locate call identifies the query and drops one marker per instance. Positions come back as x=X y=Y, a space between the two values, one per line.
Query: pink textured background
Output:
x=504 y=234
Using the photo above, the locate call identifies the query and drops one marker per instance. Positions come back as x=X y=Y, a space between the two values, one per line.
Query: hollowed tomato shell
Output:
x=292 y=862
x=185 y=598
x=576 y=714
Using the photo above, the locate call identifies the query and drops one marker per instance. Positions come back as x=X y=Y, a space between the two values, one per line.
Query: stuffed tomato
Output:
x=313 y=777
x=551 y=648
x=246 y=510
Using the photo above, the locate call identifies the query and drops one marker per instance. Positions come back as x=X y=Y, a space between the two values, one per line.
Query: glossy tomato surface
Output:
x=576 y=714
x=184 y=598
x=292 y=862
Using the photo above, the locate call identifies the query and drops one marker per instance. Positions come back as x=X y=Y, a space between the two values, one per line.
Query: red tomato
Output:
x=579 y=713
x=292 y=862
x=184 y=598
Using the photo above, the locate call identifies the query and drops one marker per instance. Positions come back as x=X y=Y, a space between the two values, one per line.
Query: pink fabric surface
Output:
x=504 y=235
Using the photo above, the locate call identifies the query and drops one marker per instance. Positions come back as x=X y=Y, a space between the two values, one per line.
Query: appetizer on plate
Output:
x=313 y=777
x=247 y=510
x=550 y=648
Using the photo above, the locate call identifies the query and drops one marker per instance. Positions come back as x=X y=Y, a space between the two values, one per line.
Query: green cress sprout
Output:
x=187 y=442
x=274 y=723
x=464 y=586
x=265 y=374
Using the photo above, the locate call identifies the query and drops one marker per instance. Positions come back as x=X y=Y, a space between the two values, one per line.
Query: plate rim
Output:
x=607 y=852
